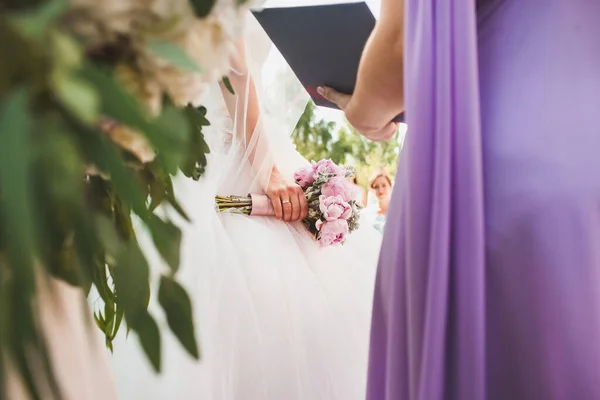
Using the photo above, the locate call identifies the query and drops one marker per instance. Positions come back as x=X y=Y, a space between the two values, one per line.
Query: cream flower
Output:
x=129 y=140
x=209 y=41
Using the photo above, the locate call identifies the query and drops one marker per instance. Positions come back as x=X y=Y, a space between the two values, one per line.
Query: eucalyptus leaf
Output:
x=107 y=235
x=99 y=320
x=109 y=316
x=173 y=120
x=131 y=276
x=178 y=308
x=158 y=193
x=104 y=154
x=228 y=85
x=35 y=23
x=17 y=214
x=18 y=226
x=118 y=320
x=60 y=162
x=100 y=278
x=78 y=96
x=67 y=53
x=172 y=53
x=15 y=177
x=157 y=180
x=167 y=134
x=149 y=335
x=167 y=239
x=174 y=203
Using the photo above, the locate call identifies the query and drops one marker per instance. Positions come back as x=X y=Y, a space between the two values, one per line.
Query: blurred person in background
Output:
x=380 y=185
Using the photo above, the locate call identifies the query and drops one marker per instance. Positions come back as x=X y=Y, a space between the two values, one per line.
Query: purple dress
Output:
x=489 y=278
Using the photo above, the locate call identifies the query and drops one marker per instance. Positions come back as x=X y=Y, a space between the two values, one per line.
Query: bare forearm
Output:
x=379 y=92
x=243 y=106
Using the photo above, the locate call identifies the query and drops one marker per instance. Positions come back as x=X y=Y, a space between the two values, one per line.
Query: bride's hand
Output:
x=288 y=199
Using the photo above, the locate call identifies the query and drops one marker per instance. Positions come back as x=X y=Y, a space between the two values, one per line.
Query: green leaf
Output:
x=173 y=54
x=196 y=154
x=35 y=23
x=118 y=320
x=174 y=203
x=157 y=180
x=197 y=116
x=174 y=120
x=109 y=344
x=19 y=227
x=227 y=84
x=107 y=235
x=15 y=179
x=109 y=317
x=131 y=276
x=78 y=96
x=147 y=331
x=100 y=279
x=104 y=154
x=66 y=51
x=167 y=239
x=58 y=156
x=168 y=133
x=99 y=320
x=202 y=7
x=158 y=193
x=178 y=308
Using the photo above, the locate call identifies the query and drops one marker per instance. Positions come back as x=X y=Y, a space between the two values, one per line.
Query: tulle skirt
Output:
x=277 y=316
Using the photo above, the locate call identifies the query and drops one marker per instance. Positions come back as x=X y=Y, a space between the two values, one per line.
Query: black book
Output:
x=322 y=44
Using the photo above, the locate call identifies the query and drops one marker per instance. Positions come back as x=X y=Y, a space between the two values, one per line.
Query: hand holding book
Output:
x=342 y=100
x=322 y=44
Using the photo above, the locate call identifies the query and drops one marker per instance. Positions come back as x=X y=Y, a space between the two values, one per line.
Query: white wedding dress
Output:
x=278 y=318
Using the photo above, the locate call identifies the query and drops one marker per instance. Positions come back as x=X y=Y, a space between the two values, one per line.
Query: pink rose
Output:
x=338 y=186
x=326 y=167
x=304 y=177
x=333 y=232
x=334 y=207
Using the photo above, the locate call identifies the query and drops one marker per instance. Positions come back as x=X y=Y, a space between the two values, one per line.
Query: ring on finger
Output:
x=287 y=201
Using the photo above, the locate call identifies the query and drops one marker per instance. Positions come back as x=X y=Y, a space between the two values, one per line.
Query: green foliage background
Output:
x=316 y=139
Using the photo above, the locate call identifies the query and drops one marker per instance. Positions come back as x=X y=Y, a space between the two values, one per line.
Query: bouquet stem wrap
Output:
x=261 y=205
x=256 y=205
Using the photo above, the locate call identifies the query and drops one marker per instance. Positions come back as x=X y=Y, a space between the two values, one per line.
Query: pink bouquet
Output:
x=333 y=212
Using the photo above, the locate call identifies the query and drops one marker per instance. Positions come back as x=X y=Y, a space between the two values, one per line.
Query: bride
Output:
x=278 y=317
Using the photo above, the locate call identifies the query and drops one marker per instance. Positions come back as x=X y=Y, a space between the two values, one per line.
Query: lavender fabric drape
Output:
x=489 y=277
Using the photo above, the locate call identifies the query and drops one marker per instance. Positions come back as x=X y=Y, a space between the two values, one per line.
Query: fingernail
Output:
x=320 y=90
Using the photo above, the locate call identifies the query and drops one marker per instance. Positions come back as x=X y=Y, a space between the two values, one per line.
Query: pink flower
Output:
x=338 y=186
x=333 y=232
x=334 y=207
x=319 y=224
x=326 y=167
x=304 y=177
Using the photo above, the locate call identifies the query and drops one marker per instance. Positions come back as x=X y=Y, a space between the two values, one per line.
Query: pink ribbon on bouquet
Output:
x=261 y=206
